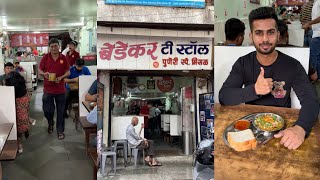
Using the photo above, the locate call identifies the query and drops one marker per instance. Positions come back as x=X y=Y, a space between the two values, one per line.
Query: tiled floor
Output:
x=47 y=158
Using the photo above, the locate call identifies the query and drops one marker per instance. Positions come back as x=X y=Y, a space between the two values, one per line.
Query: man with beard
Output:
x=260 y=70
x=75 y=71
x=72 y=55
x=55 y=66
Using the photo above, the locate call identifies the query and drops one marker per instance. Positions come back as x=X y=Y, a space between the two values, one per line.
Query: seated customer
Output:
x=8 y=67
x=75 y=71
x=137 y=142
x=92 y=94
x=22 y=104
x=17 y=67
x=234 y=31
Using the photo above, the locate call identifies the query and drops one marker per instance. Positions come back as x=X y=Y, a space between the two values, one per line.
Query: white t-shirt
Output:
x=315 y=14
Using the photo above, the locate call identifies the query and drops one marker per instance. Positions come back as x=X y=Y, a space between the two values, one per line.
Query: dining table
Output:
x=88 y=106
x=267 y=161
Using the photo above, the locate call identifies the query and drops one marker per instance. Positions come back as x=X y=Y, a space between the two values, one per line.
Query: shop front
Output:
x=157 y=79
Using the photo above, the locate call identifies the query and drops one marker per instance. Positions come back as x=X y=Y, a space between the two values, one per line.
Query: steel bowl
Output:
x=279 y=118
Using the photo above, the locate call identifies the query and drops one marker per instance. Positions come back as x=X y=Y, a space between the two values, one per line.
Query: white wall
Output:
x=153 y=14
x=84 y=40
x=85 y=83
x=225 y=61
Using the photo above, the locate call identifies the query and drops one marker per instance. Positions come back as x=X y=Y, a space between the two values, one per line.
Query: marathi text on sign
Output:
x=121 y=50
x=184 y=61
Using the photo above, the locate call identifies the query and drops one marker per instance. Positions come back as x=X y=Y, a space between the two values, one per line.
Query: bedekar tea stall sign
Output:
x=129 y=52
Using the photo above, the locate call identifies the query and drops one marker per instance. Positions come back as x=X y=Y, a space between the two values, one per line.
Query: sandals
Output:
x=149 y=163
x=157 y=164
x=61 y=136
x=20 y=148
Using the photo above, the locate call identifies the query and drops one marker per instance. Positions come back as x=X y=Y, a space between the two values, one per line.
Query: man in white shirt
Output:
x=142 y=143
x=315 y=42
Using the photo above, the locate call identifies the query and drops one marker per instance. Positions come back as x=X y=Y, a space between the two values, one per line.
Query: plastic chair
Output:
x=123 y=144
x=135 y=151
x=104 y=155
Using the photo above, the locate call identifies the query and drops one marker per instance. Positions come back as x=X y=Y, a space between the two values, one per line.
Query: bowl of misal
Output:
x=241 y=125
x=269 y=122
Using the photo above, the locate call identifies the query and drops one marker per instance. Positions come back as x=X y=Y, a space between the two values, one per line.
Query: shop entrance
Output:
x=163 y=104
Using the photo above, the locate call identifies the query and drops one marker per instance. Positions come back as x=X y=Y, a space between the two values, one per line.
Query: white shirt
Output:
x=132 y=137
x=315 y=14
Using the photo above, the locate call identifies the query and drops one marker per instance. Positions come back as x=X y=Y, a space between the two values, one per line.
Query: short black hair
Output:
x=17 y=62
x=262 y=13
x=282 y=27
x=8 y=64
x=80 y=62
x=282 y=11
x=233 y=28
x=74 y=43
x=53 y=40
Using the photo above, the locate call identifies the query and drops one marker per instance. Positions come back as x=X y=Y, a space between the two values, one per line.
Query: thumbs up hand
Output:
x=263 y=85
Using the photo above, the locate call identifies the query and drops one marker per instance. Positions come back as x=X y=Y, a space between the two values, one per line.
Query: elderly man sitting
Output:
x=136 y=141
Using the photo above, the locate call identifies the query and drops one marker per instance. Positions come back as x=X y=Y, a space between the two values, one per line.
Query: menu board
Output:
x=25 y=40
x=291 y=2
x=206 y=115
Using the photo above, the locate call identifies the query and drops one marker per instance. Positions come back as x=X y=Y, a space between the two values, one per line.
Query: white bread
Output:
x=242 y=140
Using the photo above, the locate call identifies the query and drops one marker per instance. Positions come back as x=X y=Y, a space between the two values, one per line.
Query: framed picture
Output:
x=255 y=1
x=207 y=104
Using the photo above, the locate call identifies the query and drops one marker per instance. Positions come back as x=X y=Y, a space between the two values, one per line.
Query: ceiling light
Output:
x=36 y=32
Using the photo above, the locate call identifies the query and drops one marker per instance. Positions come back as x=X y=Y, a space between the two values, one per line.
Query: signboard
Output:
x=206 y=115
x=153 y=53
x=29 y=40
x=170 y=3
x=166 y=84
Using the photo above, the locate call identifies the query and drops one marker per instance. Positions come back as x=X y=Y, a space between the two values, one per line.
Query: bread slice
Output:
x=242 y=140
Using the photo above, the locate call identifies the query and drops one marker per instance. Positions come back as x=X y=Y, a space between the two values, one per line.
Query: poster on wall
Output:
x=170 y=3
x=29 y=40
x=255 y=1
x=206 y=115
x=117 y=52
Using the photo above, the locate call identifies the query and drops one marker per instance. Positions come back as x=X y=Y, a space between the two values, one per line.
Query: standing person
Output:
x=8 y=67
x=234 y=31
x=266 y=83
x=315 y=41
x=54 y=91
x=22 y=105
x=75 y=71
x=305 y=16
x=152 y=118
x=144 y=111
x=72 y=55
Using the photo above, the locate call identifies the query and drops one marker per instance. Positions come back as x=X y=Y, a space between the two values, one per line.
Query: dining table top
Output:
x=5 y=130
x=269 y=161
